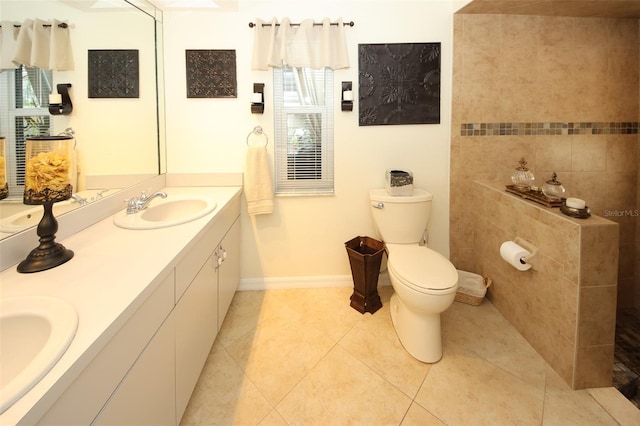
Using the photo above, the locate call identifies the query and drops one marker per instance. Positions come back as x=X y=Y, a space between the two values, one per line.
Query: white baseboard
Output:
x=279 y=283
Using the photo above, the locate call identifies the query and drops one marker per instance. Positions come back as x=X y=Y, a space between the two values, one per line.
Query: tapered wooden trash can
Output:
x=365 y=258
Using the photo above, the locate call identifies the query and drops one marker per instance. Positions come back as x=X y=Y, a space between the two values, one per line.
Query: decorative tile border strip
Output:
x=549 y=128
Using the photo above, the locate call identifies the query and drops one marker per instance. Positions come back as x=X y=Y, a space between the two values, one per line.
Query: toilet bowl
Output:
x=424 y=284
x=424 y=281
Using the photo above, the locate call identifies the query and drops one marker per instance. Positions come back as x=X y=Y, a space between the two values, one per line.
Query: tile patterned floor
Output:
x=626 y=366
x=305 y=357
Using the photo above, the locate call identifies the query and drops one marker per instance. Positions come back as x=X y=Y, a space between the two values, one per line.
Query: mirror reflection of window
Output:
x=23 y=114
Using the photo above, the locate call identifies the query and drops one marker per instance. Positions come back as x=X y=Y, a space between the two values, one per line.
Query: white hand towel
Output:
x=40 y=44
x=61 y=55
x=22 y=55
x=258 y=185
x=8 y=40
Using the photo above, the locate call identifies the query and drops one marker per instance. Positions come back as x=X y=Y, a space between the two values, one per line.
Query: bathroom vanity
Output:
x=150 y=304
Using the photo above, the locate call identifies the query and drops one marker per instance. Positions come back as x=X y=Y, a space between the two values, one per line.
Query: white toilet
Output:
x=424 y=281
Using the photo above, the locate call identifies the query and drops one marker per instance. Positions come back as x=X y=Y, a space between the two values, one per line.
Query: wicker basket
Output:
x=470 y=299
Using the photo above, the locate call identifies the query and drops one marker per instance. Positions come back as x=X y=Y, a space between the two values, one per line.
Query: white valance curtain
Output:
x=36 y=43
x=299 y=45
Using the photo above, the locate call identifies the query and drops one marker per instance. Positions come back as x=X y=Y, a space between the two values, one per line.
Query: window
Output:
x=23 y=113
x=303 y=114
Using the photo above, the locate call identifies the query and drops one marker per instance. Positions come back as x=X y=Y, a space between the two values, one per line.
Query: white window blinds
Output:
x=303 y=112
x=23 y=113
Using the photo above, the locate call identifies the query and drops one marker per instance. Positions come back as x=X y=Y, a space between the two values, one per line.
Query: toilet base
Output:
x=420 y=334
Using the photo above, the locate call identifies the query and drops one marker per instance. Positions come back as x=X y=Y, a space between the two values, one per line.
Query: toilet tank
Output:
x=401 y=219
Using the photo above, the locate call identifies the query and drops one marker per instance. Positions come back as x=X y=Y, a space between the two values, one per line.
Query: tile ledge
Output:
x=618 y=407
x=594 y=220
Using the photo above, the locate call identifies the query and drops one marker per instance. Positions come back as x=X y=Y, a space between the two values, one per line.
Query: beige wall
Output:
x=567 y=80
x=302 y=242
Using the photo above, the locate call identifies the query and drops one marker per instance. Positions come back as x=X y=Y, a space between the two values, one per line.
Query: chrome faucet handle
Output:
x=132 y=205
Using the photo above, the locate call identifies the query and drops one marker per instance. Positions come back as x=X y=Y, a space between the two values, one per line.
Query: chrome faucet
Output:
x=78 y=199
x=144 y=200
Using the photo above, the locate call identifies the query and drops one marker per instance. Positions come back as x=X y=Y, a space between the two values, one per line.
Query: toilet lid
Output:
x=422 y=268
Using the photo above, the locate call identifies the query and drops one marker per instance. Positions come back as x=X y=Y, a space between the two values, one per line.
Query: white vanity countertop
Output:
x=112 y=273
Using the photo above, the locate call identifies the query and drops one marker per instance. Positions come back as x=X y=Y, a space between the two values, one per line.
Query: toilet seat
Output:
x=422 y=269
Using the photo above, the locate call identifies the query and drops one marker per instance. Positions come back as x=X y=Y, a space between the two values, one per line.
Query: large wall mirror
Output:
x=119 y=138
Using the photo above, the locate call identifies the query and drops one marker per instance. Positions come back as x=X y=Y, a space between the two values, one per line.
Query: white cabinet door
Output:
x=229 y=271
x=146 y=396
x=196 y=317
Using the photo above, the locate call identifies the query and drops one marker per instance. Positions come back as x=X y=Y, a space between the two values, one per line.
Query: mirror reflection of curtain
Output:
x=36 y=43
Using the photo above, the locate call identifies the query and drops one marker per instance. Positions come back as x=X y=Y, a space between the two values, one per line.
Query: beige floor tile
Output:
x=374 y=342
x=483 y=331
x=620 y=408
x=273 y=419
x=418 y=416
x=278 y=348
x=249 y=308
x=574 y=407
x=341 y=390
x=278 y=353
x=554 y=382
x=326 y=309
x=224 y=395
x=465 y=389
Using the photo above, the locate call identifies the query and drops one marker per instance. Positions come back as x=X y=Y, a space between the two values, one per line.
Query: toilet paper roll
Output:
x=514 y=254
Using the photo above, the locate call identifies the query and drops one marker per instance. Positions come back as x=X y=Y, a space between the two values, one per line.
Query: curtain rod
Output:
x=350 y=24
x=61 y=25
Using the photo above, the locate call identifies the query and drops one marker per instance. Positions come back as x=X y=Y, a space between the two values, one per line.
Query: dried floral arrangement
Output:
x=47 y=177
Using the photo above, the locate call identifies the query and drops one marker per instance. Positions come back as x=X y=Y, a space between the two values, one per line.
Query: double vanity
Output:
x=150 y=295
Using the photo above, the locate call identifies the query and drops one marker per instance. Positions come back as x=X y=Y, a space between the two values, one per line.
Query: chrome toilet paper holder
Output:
x=530 y=248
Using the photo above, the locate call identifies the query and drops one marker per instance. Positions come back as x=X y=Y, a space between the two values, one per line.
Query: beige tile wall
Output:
x=510 y=68
x=534 y=69
x=565 y=305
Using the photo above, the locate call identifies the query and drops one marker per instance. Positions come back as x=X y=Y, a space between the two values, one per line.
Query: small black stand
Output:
x=48 y=254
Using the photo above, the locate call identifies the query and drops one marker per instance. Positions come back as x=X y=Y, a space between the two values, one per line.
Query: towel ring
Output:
x=258 y=131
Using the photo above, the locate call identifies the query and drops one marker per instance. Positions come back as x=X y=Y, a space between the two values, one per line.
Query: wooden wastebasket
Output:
x=365 y=258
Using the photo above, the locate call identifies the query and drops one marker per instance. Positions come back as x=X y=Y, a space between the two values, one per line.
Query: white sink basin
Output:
x=33 y=216
x=171 y=211
x=34 y=333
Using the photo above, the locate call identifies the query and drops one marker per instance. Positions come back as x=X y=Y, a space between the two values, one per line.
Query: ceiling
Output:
x=575 y=8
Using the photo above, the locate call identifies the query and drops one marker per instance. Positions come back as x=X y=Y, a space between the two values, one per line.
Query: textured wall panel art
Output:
x=399 y=83
x=211 y=74
x=114 y=74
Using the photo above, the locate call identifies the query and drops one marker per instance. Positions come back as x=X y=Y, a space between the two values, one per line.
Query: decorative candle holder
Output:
x=522 y=178
x=552 y=188
x=4 y=186
x=47 y=181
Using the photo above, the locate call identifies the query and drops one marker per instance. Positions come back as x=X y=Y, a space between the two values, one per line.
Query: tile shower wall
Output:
x=570 y=87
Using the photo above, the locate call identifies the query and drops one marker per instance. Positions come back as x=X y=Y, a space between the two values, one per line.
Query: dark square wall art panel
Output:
x=399 y=83
x=211 y=74
x=114 y=74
